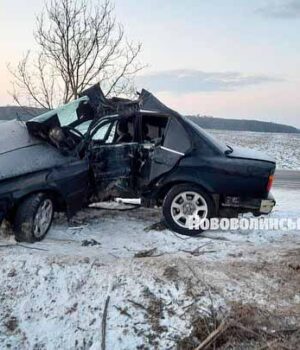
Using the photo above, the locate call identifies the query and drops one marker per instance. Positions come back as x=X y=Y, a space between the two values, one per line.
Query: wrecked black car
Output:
x=95 y=149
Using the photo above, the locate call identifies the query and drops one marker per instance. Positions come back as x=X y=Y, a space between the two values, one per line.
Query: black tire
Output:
x=25 y=218
x=167 y=207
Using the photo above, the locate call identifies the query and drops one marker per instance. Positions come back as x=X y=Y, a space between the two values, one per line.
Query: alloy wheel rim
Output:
x=187 y=205
x=43 y=218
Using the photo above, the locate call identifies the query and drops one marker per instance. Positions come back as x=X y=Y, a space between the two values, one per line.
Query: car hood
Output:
x=245 y=153
x=21 y=154
x=14 y=135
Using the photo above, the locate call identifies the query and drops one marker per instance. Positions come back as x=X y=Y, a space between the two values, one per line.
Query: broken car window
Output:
x=66 y=114
x=83 y=127
x=105 y=133
x=114 y=131
x=124 y=131
x=153 y=128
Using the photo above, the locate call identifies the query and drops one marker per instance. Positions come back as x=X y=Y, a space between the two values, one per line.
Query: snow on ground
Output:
x=53 y=293
x=285 y=148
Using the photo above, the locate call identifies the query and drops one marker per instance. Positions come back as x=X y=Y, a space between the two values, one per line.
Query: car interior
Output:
x=66 y=136
x=153 y=128
x=115 y=131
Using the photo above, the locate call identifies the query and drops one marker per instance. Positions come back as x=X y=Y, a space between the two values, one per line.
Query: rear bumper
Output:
x=254 y=205
x=267 y=205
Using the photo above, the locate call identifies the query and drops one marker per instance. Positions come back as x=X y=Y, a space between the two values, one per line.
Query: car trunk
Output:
x=258 y=177
x=245 y=153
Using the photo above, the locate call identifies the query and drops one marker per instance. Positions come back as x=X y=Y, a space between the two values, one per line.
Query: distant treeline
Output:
x=26 y=113
x=241 y=125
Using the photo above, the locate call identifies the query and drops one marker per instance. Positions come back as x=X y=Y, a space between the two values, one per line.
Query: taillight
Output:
x=270 y=183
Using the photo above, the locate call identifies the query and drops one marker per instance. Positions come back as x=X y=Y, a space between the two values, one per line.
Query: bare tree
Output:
x=78 y=44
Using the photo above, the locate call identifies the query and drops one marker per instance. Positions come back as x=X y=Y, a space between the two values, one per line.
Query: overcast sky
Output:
x=228 y=58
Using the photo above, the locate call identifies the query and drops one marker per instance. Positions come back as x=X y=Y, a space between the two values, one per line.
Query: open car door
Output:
x=112 y=162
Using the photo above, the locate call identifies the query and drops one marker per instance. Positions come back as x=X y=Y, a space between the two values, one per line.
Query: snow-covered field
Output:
x=285 y=148
x=53 y=293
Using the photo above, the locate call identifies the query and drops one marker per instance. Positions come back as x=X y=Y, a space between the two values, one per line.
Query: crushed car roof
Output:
x=102 y=106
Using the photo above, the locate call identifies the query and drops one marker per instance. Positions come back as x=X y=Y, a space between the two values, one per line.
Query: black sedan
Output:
x=96 y=149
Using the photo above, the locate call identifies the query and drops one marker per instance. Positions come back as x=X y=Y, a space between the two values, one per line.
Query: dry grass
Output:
x=247 y=327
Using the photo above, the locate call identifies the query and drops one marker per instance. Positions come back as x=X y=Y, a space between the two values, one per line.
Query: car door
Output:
x=112 y=163
x=167 y=152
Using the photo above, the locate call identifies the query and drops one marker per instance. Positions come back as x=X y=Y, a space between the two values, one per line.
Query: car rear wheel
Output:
x=183 y=203
x=33 y=218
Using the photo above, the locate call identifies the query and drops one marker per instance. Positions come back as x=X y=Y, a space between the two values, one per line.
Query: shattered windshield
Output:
x=83 y=127
x=67 y=114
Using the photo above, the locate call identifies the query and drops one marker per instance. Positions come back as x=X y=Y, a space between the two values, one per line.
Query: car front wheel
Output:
x=33 y=218
x=185 y=206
